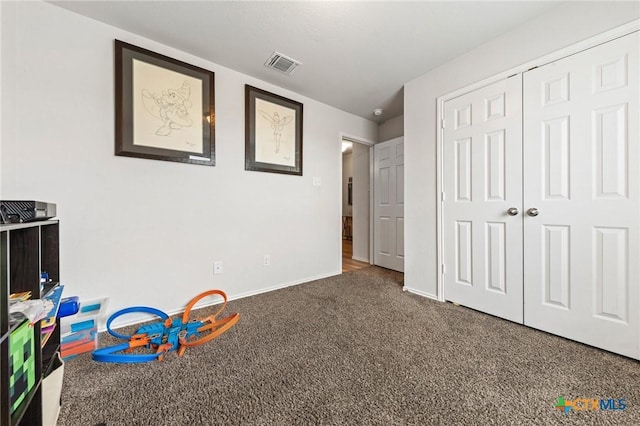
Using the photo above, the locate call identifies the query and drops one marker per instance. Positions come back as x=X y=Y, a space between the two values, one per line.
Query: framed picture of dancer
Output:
x=273 y=133
x=165 y=108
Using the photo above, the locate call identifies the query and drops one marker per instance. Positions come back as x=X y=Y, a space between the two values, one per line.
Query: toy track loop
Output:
x=216 y=327
x=167 y=335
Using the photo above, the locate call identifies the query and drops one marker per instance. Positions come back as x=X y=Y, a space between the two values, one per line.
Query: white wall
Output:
x=147 y=232
x=561 y=27
x=347 y=171
x=391 y=129
x=6 y=79
x=1 y=98
x=361 y=183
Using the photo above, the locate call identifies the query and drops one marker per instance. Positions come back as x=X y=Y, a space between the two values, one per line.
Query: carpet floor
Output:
x=356 y=350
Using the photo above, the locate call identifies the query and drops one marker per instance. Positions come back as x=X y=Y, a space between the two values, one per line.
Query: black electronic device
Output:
x=16 y=211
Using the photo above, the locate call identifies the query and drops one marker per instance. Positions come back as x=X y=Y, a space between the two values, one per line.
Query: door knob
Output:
x=512 y=211
x=533 y=212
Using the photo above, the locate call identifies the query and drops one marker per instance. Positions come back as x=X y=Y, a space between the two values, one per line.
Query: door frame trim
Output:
x=362 y=141
x=604 y=37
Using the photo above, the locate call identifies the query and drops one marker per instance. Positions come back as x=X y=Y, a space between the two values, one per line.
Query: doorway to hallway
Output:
x=348 y=263
x=356 y=203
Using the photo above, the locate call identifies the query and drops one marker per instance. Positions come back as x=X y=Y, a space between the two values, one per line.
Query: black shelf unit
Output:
x=26 y=250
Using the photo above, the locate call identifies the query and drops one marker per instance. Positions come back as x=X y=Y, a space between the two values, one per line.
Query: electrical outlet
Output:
x=267 y=260
x=217 y=267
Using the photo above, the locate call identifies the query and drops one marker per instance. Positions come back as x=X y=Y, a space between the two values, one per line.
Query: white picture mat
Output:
x=167 y=109
x=275 y=134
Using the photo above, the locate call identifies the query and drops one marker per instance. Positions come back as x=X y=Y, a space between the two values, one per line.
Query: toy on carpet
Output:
x=167 y=335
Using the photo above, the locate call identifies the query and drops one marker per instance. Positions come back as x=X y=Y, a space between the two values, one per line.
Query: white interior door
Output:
x=581 y=168
x=482 y=181
x=388 y=184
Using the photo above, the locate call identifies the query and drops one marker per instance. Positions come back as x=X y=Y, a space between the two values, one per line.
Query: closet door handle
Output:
x=533 y=212
x=513 y=211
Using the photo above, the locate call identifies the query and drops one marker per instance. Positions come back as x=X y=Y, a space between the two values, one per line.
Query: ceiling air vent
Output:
x=282 y=63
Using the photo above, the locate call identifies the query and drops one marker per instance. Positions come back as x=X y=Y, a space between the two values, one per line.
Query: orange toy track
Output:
x=168 y=334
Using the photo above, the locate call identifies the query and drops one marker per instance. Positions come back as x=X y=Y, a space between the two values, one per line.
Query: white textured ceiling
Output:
x=356 y=55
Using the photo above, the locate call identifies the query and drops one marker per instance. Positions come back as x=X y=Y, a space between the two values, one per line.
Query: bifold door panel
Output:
x=544 y=229
x=482 y=182
x=581 y=150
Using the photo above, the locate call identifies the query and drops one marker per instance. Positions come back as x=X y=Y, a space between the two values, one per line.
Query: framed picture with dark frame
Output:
x=165 y=108
x=273 y=133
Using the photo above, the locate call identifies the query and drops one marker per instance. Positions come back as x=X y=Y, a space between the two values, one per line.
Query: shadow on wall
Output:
x=391 y=129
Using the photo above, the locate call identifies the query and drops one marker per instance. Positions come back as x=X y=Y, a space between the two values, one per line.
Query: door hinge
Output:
x=443 y=197
x=442 y=123
x=444 y=269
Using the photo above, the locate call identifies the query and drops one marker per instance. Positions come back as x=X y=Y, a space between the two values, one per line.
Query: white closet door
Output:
x=388 y=183
x=581 y=173
x=482 y=177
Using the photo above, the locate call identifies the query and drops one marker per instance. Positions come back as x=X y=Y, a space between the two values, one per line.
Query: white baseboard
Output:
x=279 y=286
x=140 y=319
x=360 y=259
x=420 y=293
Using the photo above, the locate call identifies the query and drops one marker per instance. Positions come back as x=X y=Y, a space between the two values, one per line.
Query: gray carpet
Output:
x=355 y=349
